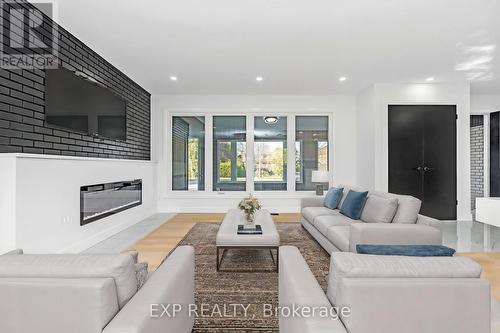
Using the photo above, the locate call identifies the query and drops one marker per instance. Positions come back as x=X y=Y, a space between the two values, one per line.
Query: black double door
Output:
x=423 y=156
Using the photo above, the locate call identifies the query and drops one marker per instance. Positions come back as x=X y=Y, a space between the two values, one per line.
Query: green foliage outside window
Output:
x=241 y=172
x=225 y=169
x=193 y=158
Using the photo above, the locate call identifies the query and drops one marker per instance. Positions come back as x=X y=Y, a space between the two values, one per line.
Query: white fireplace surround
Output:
x=41 y=210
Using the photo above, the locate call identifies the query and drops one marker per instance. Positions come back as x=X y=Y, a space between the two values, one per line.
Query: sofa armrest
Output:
x=311 y=202
x=429 y=221
x=57 y=305
x=299 y=287
x=172 y=283
x=416 y=305
x=393 y=234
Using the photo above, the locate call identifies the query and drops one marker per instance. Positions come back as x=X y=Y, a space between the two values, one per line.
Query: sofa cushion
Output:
x=408 y=207
x=310 y=213
x=322 y=223
x=378 y=209
x=339 y=236
x=333 y=196
x=120 y=267
x=352 y=265
x=353 y=204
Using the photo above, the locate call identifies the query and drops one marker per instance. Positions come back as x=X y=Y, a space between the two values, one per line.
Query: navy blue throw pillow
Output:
x=333 y=197
x=353 y=204
x=406 y=250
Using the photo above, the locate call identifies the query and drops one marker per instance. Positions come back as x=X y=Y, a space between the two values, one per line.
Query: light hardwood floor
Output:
x=155 y=246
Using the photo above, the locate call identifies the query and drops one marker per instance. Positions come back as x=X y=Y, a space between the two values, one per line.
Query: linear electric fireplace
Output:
x=101 y=200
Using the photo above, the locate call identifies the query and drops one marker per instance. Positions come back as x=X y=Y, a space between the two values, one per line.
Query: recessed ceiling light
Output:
x=173 y=78
x=271 y=119
x=429 y=79
x=342 y=78
x=259 y=79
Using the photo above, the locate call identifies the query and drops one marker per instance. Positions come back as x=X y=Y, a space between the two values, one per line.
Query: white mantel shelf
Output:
x=69 y=158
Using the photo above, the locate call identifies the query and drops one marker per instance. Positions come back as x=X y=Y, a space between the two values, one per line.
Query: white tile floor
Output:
x=467 y=236
x=123 y=240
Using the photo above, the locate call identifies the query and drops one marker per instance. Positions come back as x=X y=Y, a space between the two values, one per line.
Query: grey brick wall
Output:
x=22 y=117
x=476 y=159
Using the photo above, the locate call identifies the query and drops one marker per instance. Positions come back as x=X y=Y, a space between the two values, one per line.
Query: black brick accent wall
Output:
x=22 y=117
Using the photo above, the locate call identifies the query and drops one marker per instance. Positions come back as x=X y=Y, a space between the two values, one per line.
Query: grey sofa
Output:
x=336 y=232
x=384 y=295
x=93 y=293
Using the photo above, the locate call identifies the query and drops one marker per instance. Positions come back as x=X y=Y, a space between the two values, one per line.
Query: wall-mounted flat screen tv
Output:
x=77 y=104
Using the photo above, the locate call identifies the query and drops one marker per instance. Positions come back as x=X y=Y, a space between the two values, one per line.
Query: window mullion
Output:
x=208 y=154
x=234 y=161
x=250 y=153
x=291 y=153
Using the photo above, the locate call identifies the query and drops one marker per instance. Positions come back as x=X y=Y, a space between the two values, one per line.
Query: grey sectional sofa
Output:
x=336 y=232
x=94 y=293
x=384 y=294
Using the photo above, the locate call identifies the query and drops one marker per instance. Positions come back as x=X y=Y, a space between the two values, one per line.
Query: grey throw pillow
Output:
x=379 y=210
x=141 y=273
x=135 y=256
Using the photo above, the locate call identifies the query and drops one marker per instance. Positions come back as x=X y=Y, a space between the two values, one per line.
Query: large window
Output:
x=274 y=156
x=188 y=153
x=229 y=153
x=270 y=155
x=311 y=147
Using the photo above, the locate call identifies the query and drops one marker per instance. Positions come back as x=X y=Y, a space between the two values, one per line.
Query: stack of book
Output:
x=244 y=230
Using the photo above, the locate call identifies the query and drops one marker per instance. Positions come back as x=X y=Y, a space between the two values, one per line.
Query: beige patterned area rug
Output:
x=234 y=297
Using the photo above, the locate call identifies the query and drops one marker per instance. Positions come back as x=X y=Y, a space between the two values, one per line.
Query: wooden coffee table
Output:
x=228 y=238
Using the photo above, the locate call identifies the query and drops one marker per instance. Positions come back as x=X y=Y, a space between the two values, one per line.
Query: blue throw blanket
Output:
x=406 y=250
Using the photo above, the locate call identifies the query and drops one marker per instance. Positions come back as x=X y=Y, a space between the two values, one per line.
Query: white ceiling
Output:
x=298 y=46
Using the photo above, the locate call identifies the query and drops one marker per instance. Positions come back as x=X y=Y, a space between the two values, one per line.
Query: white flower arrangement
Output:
x=249 y=206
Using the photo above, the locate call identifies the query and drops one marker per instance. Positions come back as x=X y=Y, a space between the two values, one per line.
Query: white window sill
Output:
x=239 y=194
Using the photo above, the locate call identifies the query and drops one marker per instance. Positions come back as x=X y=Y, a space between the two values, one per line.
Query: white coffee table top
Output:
x=228 y=236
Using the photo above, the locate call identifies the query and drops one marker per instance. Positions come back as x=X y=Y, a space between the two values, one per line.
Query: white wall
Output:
x=7 y=203
x=386 y=94
x=481 y=104
x=47 y=200
x=365 y=106
x=343 y=157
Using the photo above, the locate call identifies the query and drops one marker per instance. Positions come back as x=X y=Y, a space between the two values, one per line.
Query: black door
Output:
x=422 y=156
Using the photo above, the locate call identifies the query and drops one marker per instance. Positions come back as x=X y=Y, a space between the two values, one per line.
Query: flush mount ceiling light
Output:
x=271 y=119
x=342 y=78
x=173 y=78
x=259 y=79
x=429 y=79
